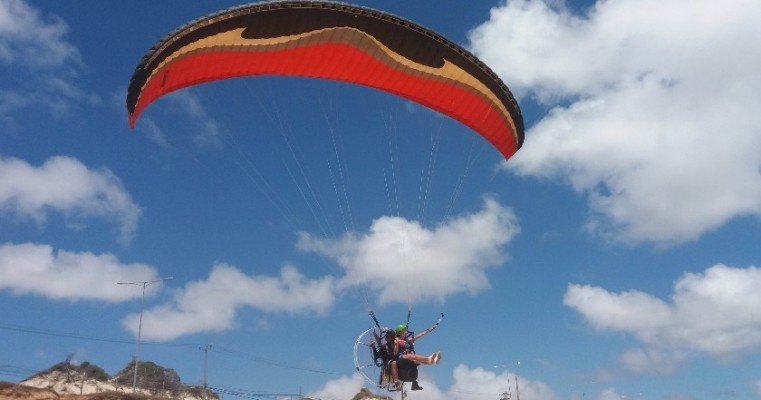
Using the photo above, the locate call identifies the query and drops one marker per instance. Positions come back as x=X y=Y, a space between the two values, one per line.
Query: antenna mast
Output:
x=517 y=393
x=506 y=395
x=205 y=369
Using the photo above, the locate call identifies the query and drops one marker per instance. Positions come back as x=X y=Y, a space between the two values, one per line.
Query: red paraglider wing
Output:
x=333 y=41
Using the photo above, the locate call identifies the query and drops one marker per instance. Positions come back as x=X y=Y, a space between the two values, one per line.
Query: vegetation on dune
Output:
x=90 y=371
x=150 y=376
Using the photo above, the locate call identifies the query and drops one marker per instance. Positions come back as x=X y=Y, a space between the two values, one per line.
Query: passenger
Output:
x=385 y=353
x=405 y=351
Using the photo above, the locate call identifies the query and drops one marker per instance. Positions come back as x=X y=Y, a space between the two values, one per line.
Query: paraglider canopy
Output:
x=324 y=39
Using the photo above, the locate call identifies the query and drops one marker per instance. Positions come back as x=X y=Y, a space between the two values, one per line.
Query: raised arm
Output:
x=423 y=333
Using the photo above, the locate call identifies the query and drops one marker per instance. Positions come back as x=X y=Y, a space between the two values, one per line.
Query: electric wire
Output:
x=216 y=349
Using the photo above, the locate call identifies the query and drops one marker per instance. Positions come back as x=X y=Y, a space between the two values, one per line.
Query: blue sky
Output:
x=615 y=256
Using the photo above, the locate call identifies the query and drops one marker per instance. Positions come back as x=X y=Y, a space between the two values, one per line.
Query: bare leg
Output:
x=418 y=359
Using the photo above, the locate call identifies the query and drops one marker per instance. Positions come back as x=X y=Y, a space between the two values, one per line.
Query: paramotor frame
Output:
x=365 y=361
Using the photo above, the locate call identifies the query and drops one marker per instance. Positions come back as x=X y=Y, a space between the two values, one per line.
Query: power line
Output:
x=239 y=354
x=16 y=371
x=47 y=332
x=216 y=349
x=22 y=372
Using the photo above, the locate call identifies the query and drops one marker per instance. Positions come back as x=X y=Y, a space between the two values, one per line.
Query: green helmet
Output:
x=400 y=328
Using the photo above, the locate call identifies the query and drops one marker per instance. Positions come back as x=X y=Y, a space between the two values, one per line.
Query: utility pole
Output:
x=140 y=326
x=205 y=369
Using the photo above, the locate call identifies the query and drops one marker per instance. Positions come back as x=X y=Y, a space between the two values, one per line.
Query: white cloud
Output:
x=715 y=312
x=340 y=388
x=649 y=360
x=29 y=39
x=211 y=305
x=35 y=269
x=34 y=49
x=477 y=383
x=397 y=253
x=452 y=258
x=468 y=384
x=65 y=185
x=609 y=394
x=653 y=108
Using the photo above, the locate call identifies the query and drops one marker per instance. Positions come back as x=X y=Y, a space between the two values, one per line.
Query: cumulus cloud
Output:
x=66 y=186
x=714 y=312
x=36 y=269
x=468 y=384
x=652 y=108
x=453 y=257
x=33 y=40
x=341 y=388
x=653 y=360
x=34 y=48
x=211 y=305
x=610 y=394
x=478 y=383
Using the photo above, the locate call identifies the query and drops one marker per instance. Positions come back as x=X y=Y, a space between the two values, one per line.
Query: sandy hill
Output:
x=86 y=381
x=89 y=382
